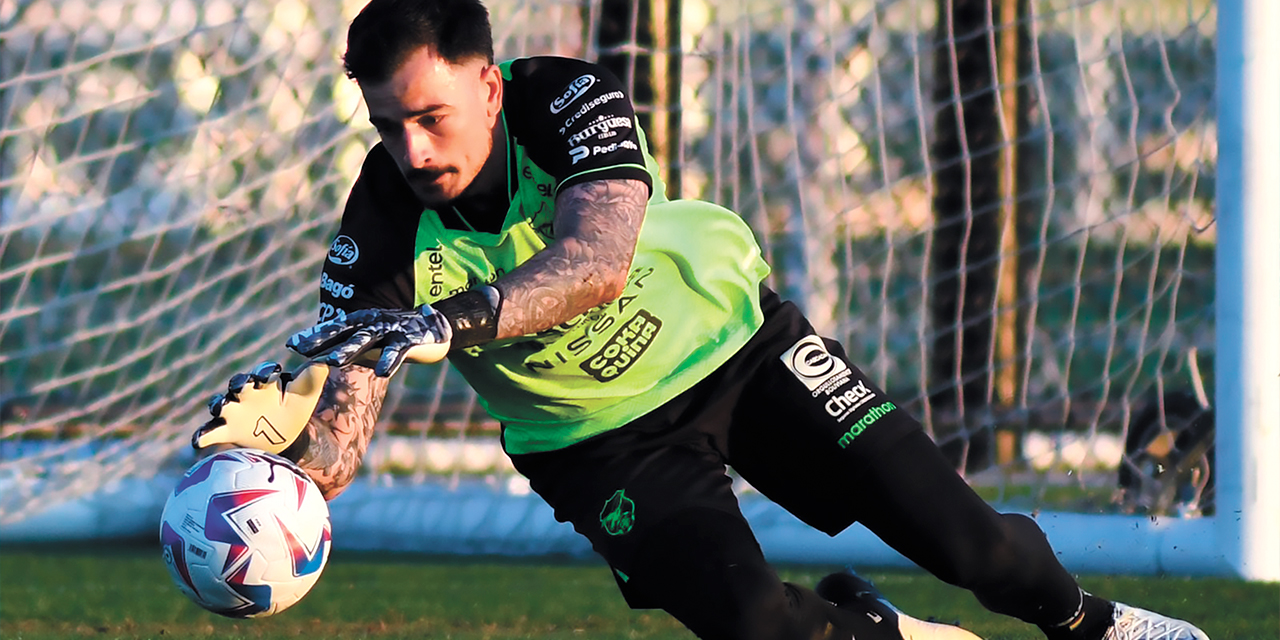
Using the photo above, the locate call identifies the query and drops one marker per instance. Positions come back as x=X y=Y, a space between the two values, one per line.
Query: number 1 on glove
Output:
x=265 y=409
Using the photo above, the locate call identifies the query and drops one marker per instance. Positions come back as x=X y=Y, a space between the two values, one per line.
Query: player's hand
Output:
x=420 y=335
x=266 y=408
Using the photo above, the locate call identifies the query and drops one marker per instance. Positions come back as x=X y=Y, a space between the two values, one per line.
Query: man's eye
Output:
x=428 y=121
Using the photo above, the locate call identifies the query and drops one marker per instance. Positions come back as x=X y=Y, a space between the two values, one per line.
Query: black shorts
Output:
x=788 y=413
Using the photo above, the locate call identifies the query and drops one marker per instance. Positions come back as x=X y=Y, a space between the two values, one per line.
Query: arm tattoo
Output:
x=596 y=227
x=341 y=427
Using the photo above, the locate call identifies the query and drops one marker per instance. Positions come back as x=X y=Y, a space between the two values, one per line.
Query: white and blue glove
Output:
x=420 y=335
x=423 y=335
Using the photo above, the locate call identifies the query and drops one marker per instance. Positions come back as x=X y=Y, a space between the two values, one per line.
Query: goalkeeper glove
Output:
x=423 y=335
x=266 y=409
x=420 y=335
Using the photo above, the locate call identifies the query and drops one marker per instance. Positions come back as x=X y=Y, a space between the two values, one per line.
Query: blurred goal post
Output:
x=1248 y=284
x=1014 y=214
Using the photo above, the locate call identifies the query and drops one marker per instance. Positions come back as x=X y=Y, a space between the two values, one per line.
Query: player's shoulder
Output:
x=573 y=118
x=381 y=211
x=370 y=263
x=544 y=73
x=381 y=190
x=543 y=90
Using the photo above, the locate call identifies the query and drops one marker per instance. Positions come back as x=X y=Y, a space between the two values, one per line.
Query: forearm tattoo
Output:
x=596 y=227
x=341 y=427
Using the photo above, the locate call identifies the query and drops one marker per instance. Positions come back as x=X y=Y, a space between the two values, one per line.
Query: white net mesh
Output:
x=1005 y=216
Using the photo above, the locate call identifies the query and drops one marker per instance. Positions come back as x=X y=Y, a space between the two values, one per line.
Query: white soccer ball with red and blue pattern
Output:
x=245 y=533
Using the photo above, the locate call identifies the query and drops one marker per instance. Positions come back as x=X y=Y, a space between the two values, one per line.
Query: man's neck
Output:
x=484 y=203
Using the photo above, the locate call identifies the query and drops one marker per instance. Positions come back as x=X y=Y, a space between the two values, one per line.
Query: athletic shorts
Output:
x=789 y=413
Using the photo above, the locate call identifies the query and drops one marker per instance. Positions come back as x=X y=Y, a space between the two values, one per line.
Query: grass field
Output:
x=124 y=592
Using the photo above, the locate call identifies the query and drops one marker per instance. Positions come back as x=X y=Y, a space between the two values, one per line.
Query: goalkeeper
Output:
x=511 y=220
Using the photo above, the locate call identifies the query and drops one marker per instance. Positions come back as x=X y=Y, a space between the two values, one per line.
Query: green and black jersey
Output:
x=691 y=301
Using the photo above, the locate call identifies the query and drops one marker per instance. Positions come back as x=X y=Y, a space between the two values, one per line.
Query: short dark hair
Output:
x=387 y=32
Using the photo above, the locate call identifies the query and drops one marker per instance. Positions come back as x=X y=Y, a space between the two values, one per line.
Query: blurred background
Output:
x=1003 y=208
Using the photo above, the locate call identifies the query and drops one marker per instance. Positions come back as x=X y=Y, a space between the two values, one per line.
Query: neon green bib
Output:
x=691 y=301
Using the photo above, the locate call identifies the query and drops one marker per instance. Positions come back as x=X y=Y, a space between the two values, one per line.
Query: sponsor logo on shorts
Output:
x=344 y=251
x=813 y=365
x=873 y=414
x=624 y=347
x=618 y=515
x=572 y=92
x=841 y=405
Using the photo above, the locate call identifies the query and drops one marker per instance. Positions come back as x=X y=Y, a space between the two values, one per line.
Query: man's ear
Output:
x=491 y=83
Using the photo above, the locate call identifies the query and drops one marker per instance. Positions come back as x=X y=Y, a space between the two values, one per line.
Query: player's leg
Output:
x=1004 y=559
x=820 y=453
x=815 y=435
x=928 y=513
x=665 y=519
x=706 y=569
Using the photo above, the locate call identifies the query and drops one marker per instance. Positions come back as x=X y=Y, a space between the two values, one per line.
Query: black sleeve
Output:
x=370 y=263
x=575 y=119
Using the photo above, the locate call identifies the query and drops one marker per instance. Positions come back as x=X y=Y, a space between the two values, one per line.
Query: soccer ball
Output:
x=245 y=533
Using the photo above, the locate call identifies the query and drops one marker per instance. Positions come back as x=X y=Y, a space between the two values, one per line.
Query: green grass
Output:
x=124 y=592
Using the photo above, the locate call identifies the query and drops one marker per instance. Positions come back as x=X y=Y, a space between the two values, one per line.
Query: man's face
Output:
x=437 y=119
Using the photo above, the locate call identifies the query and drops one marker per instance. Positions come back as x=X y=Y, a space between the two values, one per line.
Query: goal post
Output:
x=1248 y=286
x=1051 y=284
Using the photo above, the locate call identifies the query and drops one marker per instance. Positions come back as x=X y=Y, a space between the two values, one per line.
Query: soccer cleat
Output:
x=1132 y=623
x=850 y=591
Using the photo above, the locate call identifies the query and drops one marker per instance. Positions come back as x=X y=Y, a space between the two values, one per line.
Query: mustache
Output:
x=428 y=174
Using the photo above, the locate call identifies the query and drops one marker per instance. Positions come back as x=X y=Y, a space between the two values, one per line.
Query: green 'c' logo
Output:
x=618 y=515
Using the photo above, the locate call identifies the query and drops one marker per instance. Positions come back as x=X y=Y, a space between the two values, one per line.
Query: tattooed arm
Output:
x=341 y=426
x=596 y=226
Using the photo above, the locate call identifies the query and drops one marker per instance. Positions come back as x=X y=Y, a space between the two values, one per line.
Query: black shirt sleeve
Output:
x=575 y=119
x=370 y=263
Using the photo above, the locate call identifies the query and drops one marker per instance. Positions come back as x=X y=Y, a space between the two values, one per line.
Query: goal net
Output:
x=1003 y=208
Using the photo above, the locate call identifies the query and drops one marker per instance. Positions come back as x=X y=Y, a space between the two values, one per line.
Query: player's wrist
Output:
x=472 y=314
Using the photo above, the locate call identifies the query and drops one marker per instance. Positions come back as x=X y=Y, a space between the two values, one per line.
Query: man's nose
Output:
x=418 y=147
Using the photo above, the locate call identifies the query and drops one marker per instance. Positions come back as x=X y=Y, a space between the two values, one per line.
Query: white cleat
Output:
x=1132 y=623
